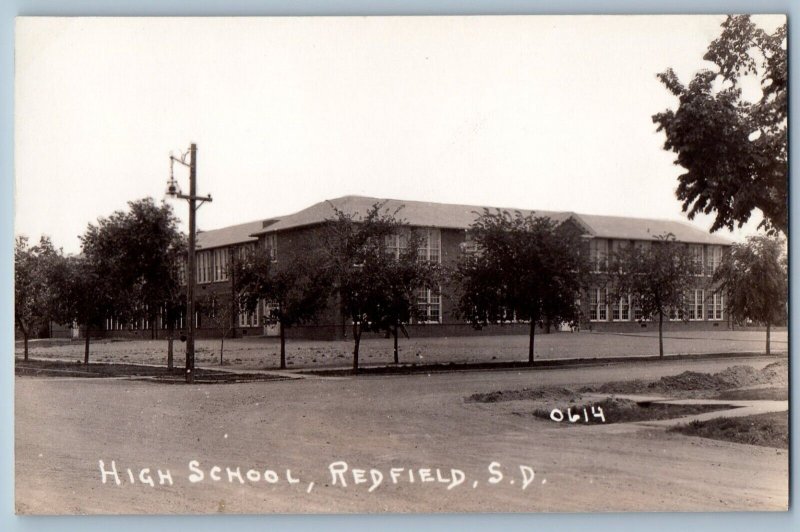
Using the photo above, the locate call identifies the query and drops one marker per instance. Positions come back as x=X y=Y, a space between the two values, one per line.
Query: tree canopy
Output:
x=733 y=146
x=128 y=269
x=35 y=298
x=526 y=268
x=141 y=249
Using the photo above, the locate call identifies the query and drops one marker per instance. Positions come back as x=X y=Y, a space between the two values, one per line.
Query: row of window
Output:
x=213 y=265
x=698 y=306
x=601 y=249
x=430 y=248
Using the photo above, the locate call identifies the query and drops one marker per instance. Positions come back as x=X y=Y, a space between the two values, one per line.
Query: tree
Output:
x=296 y=285
x=732 y=147
x=87 y=296
x=34 y=297
x=360 y=268
x=753 y=278
x=221 y=313
x=657 y=277
x=526 y=268
x=141 y=250
x=403 y=272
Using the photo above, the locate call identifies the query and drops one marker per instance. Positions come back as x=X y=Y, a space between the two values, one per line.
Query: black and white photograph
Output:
x=401 y=264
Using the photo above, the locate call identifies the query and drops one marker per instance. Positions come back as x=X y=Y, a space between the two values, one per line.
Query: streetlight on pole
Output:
x=193 y=199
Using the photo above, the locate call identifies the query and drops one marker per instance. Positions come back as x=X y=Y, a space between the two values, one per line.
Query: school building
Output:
x=445 y=238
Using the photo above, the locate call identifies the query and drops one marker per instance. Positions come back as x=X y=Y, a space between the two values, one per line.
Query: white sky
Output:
x=537 y=112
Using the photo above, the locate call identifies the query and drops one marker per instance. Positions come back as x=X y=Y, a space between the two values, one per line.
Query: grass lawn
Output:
x=262 y=353
x=55 y=368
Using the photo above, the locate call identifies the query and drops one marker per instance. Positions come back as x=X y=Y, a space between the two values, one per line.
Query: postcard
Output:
x=401 y=264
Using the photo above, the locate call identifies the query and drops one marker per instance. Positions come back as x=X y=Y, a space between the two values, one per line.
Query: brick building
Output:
x=444 y=228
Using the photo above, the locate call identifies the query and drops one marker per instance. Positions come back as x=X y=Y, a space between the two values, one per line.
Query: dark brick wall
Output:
x=331 y=325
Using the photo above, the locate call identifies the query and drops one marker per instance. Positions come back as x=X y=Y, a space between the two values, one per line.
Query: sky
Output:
x=551 y=113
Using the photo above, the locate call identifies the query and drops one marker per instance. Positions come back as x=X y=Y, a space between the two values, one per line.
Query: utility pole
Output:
x=191 y=272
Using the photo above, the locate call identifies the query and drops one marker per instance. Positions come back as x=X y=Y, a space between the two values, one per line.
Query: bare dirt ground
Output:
x=64 y=426
x=262 y=353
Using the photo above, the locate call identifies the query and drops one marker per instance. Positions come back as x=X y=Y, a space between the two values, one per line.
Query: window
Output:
x=620 y=309
x=715 y=308
x=396 y=244
x=221 y=264
x=269 y=310
x=598 y=306
x=695 y=304
x=244 y=250
x=638 y=315
x=204 y=265
x=470 y=246
x=271 y=245
x=696 y=251
x=246 y=318
x=431 y=247
x=429 y=303
x=713 y=259
x=598 y=254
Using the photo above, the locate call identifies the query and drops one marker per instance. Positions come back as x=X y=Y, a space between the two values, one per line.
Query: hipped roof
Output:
x=453 y=216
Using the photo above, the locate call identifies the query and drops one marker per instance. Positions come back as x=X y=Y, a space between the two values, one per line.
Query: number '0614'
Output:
x=581 y=414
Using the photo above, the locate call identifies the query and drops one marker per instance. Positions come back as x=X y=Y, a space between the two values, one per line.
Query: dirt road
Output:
x=420 y=422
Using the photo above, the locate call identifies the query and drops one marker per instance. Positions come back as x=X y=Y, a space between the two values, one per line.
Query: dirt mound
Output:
x=523 y=394
x=688 y=380
x=775 y=374
x=624 y=387
x=733 y=377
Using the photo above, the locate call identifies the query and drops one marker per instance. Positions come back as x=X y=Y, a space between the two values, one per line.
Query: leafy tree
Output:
x=734 y=150
x=753 y=277
x=395 y=292
x=141 y=250
x=657 y=277
x=296 y=284
x=526 y=268
x=360 y=269
x=34 y=296
x=221 y=313
x=87 y=296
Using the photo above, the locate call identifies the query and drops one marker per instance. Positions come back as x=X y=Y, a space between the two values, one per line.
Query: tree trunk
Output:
x=283 y=344
x=170 y=335
x=221 y=347
x=767 y=338
x=86 y=348
x=357 y=341
x=531 y=335
x=169 y=353
x=661 y=334
x=25 y=336
x=396 y=354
